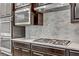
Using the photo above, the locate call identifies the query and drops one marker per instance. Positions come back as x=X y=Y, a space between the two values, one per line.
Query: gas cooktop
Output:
x=52 y=41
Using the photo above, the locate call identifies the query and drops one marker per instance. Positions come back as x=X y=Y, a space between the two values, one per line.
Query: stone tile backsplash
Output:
x=56 y=25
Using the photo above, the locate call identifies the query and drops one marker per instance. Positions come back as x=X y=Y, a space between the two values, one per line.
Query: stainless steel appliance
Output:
x=53 y=41
x=22 y=16
x=50 y=7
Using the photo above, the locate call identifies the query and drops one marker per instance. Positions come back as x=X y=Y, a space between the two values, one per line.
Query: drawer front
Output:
x=49 y=51
x=21 y=45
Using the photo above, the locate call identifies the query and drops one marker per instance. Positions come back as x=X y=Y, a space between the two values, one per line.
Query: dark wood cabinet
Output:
x=39 y=19
x=47 y=51
x=21 y=52
x=31 y=49
x=21 y=45
x=21 y=49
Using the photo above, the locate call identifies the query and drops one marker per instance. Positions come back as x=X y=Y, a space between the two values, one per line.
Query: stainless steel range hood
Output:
x=50 y=7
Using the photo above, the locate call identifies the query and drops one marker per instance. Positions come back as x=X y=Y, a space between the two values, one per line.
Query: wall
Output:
x=57 y=24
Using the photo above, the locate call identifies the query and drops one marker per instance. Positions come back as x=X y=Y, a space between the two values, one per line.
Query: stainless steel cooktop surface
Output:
x=52 y=41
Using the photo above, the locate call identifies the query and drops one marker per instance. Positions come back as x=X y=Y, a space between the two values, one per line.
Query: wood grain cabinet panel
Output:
x=17 y=52
x=22 y=45
x=21 y=52
x=36 y=50
x=21 y=49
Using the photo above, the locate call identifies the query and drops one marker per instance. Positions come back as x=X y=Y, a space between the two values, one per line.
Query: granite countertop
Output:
x=72 y=45
x=23 y=40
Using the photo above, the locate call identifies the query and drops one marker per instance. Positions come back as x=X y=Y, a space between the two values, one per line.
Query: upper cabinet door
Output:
x=5 y=9
x=74 y=12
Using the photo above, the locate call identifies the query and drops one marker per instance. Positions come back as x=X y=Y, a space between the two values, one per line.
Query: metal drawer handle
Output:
x=16 y=48
x=37 y=54
x=25 y=50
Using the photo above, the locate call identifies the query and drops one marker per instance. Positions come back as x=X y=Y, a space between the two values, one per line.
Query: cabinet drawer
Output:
x=47 y=50
x=22 y=45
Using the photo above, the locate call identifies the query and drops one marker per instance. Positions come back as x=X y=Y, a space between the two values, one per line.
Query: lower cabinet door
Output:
x=25 y=52
x=37 y=54
x=17 y=52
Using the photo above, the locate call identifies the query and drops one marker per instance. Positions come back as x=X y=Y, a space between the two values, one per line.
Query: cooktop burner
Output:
x=52 y=41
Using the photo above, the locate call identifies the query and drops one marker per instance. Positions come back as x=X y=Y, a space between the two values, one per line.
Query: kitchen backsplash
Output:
x=56 y=24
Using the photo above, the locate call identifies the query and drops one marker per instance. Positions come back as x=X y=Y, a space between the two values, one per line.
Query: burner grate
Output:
x=53 y=41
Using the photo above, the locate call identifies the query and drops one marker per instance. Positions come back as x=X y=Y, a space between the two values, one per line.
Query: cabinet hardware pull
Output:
x=16 y=48
x=25 y=50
